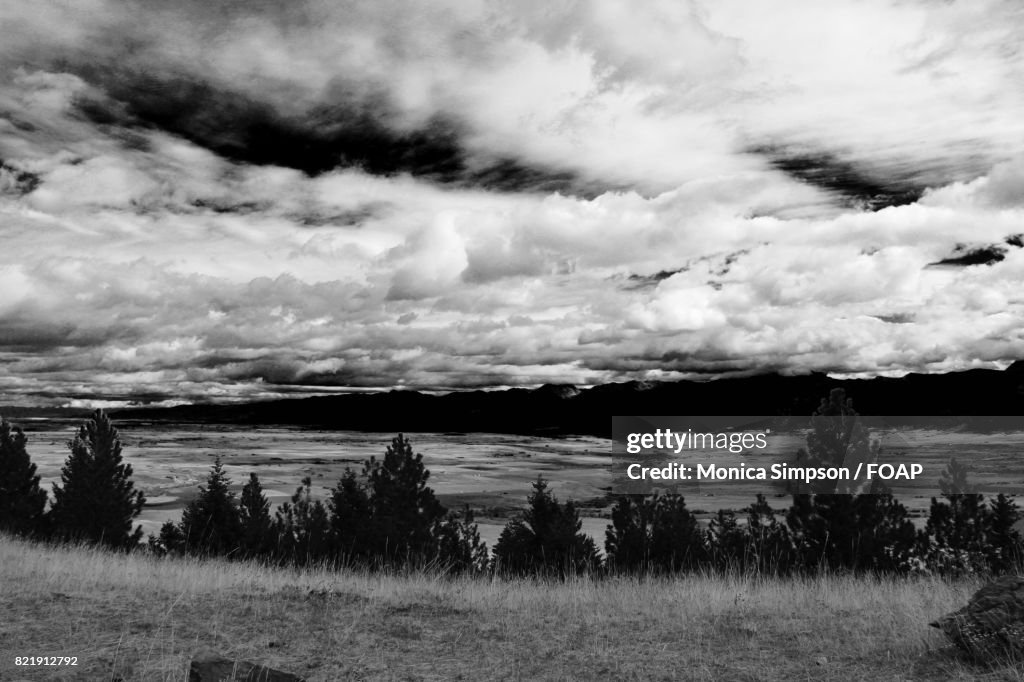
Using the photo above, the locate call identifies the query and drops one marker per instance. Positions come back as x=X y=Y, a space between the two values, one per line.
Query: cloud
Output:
x=234 y=201
x=429 y=262
x=998 y=189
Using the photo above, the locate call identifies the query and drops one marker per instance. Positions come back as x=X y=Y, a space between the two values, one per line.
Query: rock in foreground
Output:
x=992 y=623
x=208 y=667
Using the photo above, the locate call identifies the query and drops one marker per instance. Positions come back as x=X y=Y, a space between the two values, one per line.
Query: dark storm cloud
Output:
x=964 y=256
x=636 y=280
x=238 y=208
x=897 y=318
x=30 y=336
x=853 y=186
x=34 y=334
x=349 y=218
x=346 y=133
x=717 y=265
x=16 y=181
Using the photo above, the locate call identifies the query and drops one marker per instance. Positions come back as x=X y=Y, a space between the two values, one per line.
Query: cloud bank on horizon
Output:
x=230 y=200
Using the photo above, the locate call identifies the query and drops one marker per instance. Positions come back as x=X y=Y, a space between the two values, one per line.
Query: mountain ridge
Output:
x=564 y=409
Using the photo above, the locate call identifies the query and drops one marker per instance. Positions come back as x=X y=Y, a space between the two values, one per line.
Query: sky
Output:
x=235 y=200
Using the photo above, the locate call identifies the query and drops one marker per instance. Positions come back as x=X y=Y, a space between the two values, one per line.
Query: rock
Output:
x=209 y=667
x=992 y=623
x=821 y=660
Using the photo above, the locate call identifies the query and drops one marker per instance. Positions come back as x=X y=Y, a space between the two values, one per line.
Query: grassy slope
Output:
x=142 y=618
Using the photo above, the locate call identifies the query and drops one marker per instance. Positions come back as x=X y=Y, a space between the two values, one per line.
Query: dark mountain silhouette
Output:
x=563 y=409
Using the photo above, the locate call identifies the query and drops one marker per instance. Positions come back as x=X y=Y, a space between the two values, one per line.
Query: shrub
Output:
x=965 y=536
x=770 y=549
x=169 y=541
x=762 y=545
x=728 y=542
x=459 y=547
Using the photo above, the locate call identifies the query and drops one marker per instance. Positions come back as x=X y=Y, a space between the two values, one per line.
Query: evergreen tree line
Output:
x=388 y=516
x=866 y=533
x=95 y=501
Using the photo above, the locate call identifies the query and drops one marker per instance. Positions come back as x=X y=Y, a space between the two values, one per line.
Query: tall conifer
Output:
x=96 y=500
x=22 y=501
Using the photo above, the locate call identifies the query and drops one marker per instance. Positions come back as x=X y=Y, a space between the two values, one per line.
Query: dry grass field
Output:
x=136 y=617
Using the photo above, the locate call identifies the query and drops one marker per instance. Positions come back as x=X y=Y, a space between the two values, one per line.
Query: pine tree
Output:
x=303 y=527
x=627 y=539
x=885 y=538
x=404 y=509
x=210 y=523
x=658 y=533
x=96 y=500
x=955 y=538
x=838 y=437
x=953 y=480
x=351 y=511
x=390 y=515
x=22 y=501
x=677 y=541
x=1004 y=542
x=837 y=528
x=827 y=537
x=254 y=516
x=546 y=538
x=865 y=532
